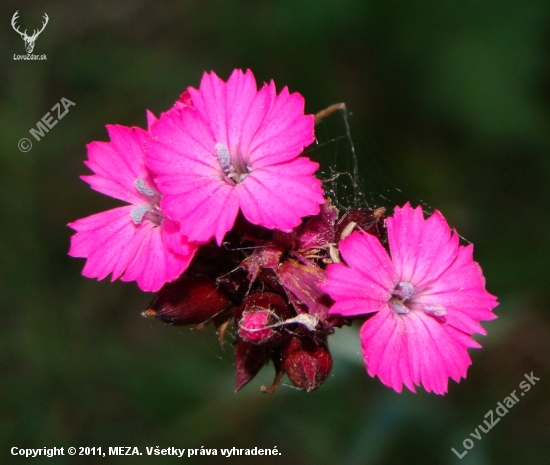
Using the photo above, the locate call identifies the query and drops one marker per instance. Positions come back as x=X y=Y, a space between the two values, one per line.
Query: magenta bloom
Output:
x=428 y=299
x=230 y=148
x=136 y=242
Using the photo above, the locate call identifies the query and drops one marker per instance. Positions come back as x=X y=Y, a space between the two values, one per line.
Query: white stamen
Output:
x=145 y=190
x=435 y=310
x=403 y=290
x=224 y=157
x=138 y=213
x=399 y=307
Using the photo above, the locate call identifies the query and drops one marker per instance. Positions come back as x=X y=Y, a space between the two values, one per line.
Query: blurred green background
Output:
x=450 y=103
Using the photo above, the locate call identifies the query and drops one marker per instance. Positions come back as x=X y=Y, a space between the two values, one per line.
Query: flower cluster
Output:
x=226 y=221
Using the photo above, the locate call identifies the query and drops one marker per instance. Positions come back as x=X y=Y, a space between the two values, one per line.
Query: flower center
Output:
x=400 y=294
x=402 y=301
x=151 y=210
x=234 y=169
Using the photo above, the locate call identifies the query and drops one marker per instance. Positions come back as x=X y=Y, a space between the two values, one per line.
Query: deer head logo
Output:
x=29 y=40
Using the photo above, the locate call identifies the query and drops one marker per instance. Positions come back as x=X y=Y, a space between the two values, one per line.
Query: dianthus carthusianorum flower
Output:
x=226 y=162
x=136 y=242
x=232 y=147
x=427 y=298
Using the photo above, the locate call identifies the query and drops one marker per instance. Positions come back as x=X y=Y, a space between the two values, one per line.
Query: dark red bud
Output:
x=255 y=325
x=314 y=233
x=258 y=315
x=189 y=300
x=306 y=362
x=249 y=359
x=319 y=229
x=265 y=301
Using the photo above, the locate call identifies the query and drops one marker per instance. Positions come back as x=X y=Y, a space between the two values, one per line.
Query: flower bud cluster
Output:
x=265 y=285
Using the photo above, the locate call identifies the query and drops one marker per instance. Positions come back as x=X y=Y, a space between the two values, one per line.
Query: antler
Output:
x=24 y=34
x=36 y=33
x=13 y=20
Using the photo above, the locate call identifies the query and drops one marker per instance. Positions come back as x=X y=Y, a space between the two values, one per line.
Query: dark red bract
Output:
x=265 y=284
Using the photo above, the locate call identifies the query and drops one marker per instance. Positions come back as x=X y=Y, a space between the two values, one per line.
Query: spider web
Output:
x=355 y=173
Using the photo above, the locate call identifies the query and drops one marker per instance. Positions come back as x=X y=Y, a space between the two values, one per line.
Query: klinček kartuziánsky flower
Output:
x=234 y=148
x=427 y=298
x=228 y=157
x=137 y=242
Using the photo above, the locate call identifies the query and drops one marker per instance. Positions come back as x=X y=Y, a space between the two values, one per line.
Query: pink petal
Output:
x=151 y=118
x=421 y=249
x=365 y=285
x=245 y=109
x=184 y=153
x=109 y=240
x=364 y=253
x=155 y=264
x=284 y=132
x=278 y=196
x=190 y=176
x=461 y=291
x=182 y=142
x=112 y=243
x=384 y=347
x=354 y=295
x=205 y=207
x=414 y=349
x=174 y=240
x=210 y=103
x=118 y=164
x=254 y=119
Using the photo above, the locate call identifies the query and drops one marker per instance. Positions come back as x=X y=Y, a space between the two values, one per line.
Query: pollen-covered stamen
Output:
x=152 y=194
x=399 y=306
x=224 y=158
x=435 y=310
x=400 y=294
x=403 y=290
x=234 y=172
x=138 y=213
x=403 y=302
x=141 y=187
x=145 y=211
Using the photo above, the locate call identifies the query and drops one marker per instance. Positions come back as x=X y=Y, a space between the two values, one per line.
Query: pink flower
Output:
x=427 y=300
x=230 y=148
x=136 y=242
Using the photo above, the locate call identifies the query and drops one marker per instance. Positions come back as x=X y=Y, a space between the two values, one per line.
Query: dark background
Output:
x=450 y=103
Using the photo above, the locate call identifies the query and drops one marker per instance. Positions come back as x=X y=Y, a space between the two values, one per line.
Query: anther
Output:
x=138 y=213
x=435 y=310
x=141 y=187
x=399 y=307
x=403 y=290
x=224 y=157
